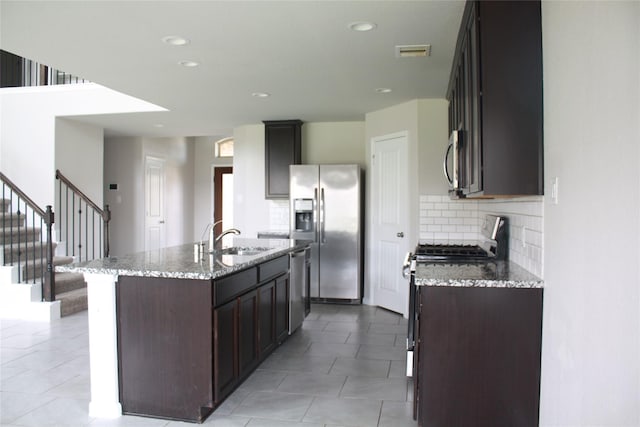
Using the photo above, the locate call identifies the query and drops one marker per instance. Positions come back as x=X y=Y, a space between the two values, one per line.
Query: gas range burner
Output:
x=451 y=253
x=494 y=247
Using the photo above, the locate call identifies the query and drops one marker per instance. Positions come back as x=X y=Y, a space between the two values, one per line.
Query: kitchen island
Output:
x=171 y=335
x=477 y=357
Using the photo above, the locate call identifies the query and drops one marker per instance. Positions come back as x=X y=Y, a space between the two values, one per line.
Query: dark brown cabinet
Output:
x=184 y=345
x=282 y=308
x=246 y=321
x=225 y=354
x=283 y=147
x=164 y=347
x=266 y=324
x=247 y=333
x=495 y=99
x=478 y=357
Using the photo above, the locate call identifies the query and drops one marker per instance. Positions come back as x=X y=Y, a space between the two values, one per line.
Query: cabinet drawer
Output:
x=273 y=268
x=234 y=285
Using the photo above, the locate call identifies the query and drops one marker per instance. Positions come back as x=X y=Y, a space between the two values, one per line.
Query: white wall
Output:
x=334 y=142
x=124 y=165
x=250 y=208
x=591 y=332
x=203 y=185
x=433 y=139
x=74 y=141
x=27 y=130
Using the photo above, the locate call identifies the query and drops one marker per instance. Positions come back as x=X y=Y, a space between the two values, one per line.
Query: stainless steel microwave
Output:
x=451 y=164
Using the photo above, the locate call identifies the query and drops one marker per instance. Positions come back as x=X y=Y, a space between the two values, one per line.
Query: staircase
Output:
x=70 y=288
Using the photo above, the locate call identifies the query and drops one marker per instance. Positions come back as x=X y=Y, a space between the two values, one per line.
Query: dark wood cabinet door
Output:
x=282 y=307
x=247 y=333
x=479 y=357
x=164 y=347
x=495 y=96
x=283 y=147
x=266 y=318
x=225 y=349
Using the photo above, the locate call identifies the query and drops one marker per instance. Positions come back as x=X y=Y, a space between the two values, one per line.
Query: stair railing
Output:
x=84 y=226
x=22 y=228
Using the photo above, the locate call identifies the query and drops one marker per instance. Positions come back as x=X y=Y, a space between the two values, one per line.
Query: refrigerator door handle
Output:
x=316 y=229
x=322 y=216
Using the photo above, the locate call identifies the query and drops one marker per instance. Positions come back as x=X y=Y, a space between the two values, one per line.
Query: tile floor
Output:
x=344 y=367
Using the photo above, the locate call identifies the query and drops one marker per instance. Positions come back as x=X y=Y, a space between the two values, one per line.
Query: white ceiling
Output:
x=301 y=52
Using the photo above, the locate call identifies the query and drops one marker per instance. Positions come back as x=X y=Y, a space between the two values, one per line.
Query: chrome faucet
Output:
x=225 y=232
x=213 y=240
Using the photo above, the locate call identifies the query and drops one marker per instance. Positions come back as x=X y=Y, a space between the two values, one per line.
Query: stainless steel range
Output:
x=493 y=247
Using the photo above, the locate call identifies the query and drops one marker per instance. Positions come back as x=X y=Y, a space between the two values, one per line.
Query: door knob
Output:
x=400 y=234
x=161 y=222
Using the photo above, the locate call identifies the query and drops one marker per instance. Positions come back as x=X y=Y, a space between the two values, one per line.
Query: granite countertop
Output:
x=501 y=274
x=178 y=261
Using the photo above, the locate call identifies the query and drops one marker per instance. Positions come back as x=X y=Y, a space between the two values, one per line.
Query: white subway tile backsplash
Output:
x=279 y=215
x=444 y=220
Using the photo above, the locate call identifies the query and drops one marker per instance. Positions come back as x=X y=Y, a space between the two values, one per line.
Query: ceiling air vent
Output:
x=412 y=51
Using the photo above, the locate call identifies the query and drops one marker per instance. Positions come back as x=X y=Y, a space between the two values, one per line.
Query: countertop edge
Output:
x=503 y=274
x=478 y=283
x=204 y=275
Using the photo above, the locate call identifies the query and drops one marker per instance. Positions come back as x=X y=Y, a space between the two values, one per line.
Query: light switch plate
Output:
x=554 y=190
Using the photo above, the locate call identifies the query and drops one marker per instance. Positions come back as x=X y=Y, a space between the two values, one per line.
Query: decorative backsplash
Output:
x=279 y=215
x=451 y=221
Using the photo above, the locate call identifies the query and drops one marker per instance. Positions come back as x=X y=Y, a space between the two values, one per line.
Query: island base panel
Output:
x=164 y=345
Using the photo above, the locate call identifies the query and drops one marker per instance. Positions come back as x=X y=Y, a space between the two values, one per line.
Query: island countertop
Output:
x=501 y=274
x=178 y=261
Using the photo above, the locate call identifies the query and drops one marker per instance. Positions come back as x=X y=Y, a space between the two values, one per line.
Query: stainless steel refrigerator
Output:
x=326 y=208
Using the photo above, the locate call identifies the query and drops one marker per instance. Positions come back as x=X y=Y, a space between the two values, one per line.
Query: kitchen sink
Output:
x=243 y=251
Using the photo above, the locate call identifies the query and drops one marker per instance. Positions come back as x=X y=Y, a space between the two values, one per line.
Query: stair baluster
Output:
x=18 y=233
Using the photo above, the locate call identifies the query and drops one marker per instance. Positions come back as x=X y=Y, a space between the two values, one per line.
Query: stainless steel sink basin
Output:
x=242 y=251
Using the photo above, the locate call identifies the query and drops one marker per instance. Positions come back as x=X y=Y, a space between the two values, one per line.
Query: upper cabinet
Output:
x=495 y=100
x=283 y=147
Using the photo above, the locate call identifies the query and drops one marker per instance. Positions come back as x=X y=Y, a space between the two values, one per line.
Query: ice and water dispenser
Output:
x=303 y=214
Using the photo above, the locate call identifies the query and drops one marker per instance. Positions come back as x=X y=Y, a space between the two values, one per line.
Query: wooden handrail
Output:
x=83 y=196
x=24 y=197
x=48 y=281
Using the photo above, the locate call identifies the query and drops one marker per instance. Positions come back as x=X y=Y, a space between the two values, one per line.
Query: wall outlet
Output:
x=554 y=190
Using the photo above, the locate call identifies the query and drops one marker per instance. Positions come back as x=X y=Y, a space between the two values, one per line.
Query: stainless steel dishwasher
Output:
x=298 y=288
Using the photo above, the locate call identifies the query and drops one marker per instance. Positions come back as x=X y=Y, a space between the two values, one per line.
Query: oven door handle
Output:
x=406 y=265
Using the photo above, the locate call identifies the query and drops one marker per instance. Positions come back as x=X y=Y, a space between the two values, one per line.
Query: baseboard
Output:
x=36 y=311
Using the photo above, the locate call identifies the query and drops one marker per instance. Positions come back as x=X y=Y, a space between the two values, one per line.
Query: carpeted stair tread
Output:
x=9 y=234
x=67 y=282
x=72 y=301
x=29 y=249
x=62 y=260
x=11 y=220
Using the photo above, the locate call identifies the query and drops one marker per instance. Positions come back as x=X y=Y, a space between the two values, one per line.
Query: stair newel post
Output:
x=49 y=291
x=107 y=218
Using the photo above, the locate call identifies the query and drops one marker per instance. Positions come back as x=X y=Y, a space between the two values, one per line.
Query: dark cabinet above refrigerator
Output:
x=495 y=101
x=283 y=147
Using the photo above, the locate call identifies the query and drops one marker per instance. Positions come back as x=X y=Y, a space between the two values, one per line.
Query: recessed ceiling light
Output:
x=362 y=26
x=383 y=90
x=158 y=125
x=189 y=64
x=175 y=40
x=260 y=94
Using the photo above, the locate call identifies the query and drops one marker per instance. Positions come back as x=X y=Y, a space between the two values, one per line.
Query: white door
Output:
x=390 y=216
x=154 y=203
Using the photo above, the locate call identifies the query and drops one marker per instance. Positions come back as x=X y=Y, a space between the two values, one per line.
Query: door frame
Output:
x=373 y=198
x=216 y=182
